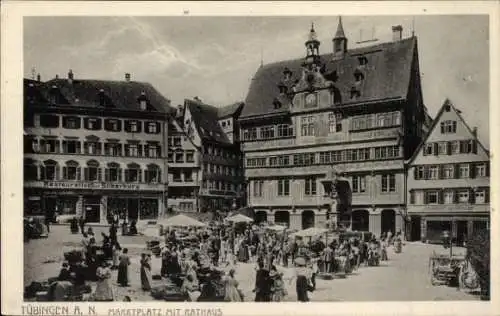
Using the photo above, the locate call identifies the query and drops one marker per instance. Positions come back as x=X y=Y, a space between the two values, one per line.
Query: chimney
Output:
x=127 y=77
x=180 y=109
x=38 y=78
x=57 y=76
x=474 y=132
x=397 y=33
x=70 y=76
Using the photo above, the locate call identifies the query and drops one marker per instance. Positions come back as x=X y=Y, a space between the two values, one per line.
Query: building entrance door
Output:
x=415 y=228
x=133 y=209
x=307 y=219
x=50 y=207
x=461 y=233
x=92 y=209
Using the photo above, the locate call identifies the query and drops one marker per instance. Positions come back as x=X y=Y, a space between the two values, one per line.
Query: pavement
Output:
x=405 y=277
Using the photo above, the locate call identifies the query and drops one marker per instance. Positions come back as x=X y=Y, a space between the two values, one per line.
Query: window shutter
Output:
x=472 y=170
x=126 y=175
x=78 y=173
x=455 y=196
x=86 y=174
x=159 y=176
x=441 y=197
x=146 y=150
x=57 y=174
x=440 y=171
x=139 y=150
x=139 y=175
x=106 y=175
x=415 y=173
x=127 y=126
x=158 y=151
x=474 y=146
x=86 y=123
x=472 y=196
x=436 y=149
x=42 y=173
x=486 y=195
x=78 y=147
x=487 y=171
x=448 y=148
x=99 y=174
x=158 y=128
x=120 y=171
x=119 y=125
x=65 y=146
x=65 y=173
x=127 y=152
x=139 y=126
x=456 y=169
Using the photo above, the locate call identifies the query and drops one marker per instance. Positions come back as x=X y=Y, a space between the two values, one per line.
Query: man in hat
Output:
x=262 y=284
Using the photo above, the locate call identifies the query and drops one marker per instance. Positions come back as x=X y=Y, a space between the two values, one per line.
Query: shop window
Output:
x=148 y=209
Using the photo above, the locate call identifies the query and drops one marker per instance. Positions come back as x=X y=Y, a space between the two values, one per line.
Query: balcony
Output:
x=94 y=185
x=178 y=182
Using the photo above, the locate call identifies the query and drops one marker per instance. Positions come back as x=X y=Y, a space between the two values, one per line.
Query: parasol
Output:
x=311 y=232
x=239 y=218
x=181 y=221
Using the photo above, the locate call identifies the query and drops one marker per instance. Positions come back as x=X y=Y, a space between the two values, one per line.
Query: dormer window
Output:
x=358 y=76
x=287 y=74
x=54 y=95
x=143 y=101
x=362 y=60
x=277 y=104
x=283 y=88
x=355 y=93
x=104 y=100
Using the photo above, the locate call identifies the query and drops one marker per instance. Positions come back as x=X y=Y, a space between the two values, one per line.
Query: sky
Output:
x=215 y=58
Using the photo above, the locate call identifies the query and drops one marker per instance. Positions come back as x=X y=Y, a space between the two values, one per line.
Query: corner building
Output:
x=93 y=148
x=355 y=112
x=449 y=181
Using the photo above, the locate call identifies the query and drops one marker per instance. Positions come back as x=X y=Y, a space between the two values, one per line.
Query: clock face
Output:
x=311 y=100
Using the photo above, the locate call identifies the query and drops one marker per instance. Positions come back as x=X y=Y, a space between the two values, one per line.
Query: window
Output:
x=49 y=146
x=170 y=157
x=332 y=123
x=273 y=161
x=50 y=121
x=30 y=170
x=190 y=156
x=431 y=197
x=92 y=123
x=307 y=125
x=152 y=127
x=362 y=60
x=336 y=156
x=443 y=148
x=250 y=134
x=93 y=172
x=283 y=187
x=132 y=150
x=480 y=170
x=283 y=160
x=428 y=149
x=419 y=172
x=449 y=197
x=133 y=173
x=285 y=130
x=304 y=159
x=177 y=141
x=113 y=149
x=463 y=196
x=72 y=146
x=467 y=146
x=71 y=171
x=113 y=125
x=455 y=147
x=338 y=119
x=133 y=126
x=448 y=127
x=388 y=183
x=50 y=170
x=176 y=175
x=310 y=187
x=392 y=151
x=258 y=186
x=358 y=184
x=267 y=132
x=113 y=173
x=152 y=150
x=433 y=173
x=92 y=148
x=256 y=162
x=448 y=172
x=463 y=171
x=412 y=197
x=71 y=122
x=152 y=174
x=179 y=156
x=480 y=196
x=188 y=176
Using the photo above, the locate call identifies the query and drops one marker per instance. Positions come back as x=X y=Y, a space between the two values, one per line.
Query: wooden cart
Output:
x=445 y=269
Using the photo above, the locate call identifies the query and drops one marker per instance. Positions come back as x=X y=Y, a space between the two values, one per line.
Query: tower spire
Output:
x=340 y=29
x=312 y=47
x=339 y=41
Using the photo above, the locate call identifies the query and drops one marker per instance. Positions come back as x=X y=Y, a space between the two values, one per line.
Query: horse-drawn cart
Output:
x=444 y=269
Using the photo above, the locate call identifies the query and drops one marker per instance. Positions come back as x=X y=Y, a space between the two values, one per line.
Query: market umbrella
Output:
x=181 y=221
x=238 y=218
x=277 y=227
x=311 y=232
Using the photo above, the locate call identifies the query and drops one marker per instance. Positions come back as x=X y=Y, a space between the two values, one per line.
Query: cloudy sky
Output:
x=215 y=58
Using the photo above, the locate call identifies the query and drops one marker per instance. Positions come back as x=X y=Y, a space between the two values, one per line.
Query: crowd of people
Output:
x=203 y=262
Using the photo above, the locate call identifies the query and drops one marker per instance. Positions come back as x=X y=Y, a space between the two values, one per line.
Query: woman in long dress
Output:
x=145 y=272
x=232 y=293
x=123 y=268
x=116 y=256
x=104 y=290
x=243 y=251
x=278 y=291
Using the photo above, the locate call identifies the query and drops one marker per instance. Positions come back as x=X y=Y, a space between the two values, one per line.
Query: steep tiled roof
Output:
x=229 y=110
x=386 y=75
x=122 y=95
x=206 y=120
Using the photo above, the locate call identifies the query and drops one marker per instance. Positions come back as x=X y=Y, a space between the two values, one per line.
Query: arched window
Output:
x=50 y=170
x=133 y=173
x=113 y=172
x=153 y=174
x=93 y=172
x=72 y=171
x=30 y=169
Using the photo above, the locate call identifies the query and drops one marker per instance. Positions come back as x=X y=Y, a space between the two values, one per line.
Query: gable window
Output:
x=71 y=122
x=428 y=149
x=310 y=186
x=467 y=146
x=308 y=125
x=448 y=127
x=443 y=148
x=388 y=183
x=190 y=156
x=283 y=187
x=50 y=121
x=358 y=184
x=455 y=147
x=431 y=197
